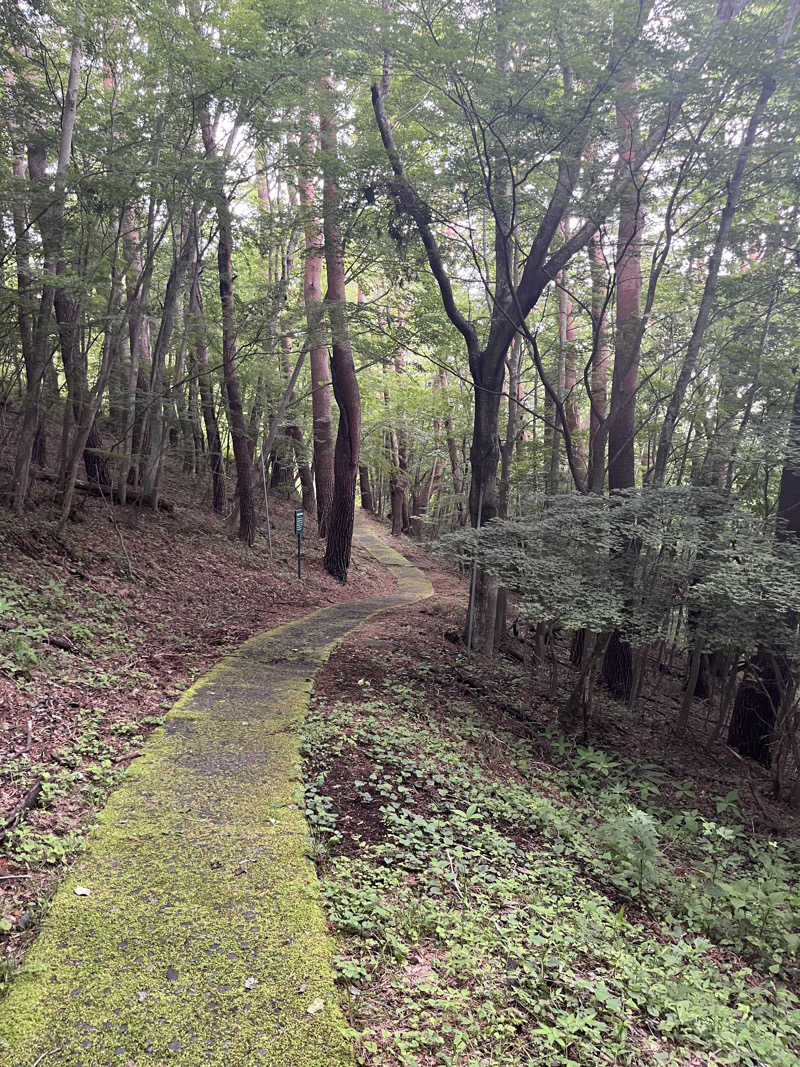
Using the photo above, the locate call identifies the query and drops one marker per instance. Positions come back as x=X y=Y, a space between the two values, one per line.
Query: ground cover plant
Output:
x=505 y=895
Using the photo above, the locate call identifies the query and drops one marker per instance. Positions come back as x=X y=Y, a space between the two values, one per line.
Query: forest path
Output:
x=202 y=939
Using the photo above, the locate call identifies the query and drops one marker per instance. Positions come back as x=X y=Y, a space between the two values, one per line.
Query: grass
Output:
x=497 y=908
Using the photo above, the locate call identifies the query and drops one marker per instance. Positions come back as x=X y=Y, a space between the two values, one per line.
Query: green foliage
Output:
x=637 y=561
x=508 y=912
x=630 y=848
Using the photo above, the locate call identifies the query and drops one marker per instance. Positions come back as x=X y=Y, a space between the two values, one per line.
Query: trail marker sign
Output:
x=298 y=529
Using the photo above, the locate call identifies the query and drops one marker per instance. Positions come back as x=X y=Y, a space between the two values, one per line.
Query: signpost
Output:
x=298 y=529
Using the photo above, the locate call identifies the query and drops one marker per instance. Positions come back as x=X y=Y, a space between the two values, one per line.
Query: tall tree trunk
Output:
x=398 y=455
x=618 y=662
x=67 y=314
x=24 y=282
x=599 y=371
x=137 y=286
x=241 y=452
x=318 y=350
x=205 y=387
x=114 y=323
x=513 y=423
x=627 y=346
x=568 y=342
x=456 y=467
x=295 y=434
x=366 y=489
x=343 y=372
x=169 y=316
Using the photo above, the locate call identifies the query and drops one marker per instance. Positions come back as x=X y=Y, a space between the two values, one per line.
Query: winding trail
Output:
x=202 y=939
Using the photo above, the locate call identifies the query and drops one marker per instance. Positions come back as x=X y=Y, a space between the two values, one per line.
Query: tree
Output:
x=318 y=351
x=343 y=373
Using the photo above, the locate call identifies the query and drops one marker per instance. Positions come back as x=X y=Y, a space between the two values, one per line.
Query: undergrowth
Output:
x=497 y=909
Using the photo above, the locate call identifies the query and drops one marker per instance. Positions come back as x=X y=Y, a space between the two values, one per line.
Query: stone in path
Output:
x=201 y=939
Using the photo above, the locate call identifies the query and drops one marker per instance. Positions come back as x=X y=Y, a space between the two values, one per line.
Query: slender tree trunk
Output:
x=137 y=282
x=295 y=435
x=241 y=452
x=366 y=489
x=512 y=425
x=621 y=460
x=568 y=341
x=205 y=387
x=343 y=372
x=421 y=494
x=456 y=468
x=599 y=371
x=24 y=284
x=169 y=316
x=114 y=323
x=67 y=313
x=318 y=351
x=618 y=661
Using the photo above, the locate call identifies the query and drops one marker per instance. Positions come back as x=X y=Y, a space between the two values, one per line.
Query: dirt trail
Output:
x=191 y=931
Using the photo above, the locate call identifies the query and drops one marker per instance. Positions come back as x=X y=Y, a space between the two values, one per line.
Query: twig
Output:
x=14 y=877
x=29 y=736
x=49 y=1052
x=28 y=801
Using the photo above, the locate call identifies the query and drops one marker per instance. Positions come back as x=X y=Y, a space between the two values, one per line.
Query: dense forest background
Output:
x=523 y=269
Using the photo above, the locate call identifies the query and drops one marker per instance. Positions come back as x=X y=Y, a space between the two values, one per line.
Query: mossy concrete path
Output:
x=191 y=930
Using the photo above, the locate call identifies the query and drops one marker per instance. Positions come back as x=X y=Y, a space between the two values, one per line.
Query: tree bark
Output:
x=343 y=372
x=206 y=389
x=76 y=374
x=137 y=285
x=618 y=660
x=169 y=315
x=599 y=372
x=513 y=422
x=318 y=351
x=241 y=452
x=366 y=489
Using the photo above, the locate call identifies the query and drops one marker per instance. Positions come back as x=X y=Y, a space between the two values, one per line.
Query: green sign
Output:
x=298 y=521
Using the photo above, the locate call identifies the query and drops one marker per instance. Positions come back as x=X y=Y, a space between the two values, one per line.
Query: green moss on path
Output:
x=202 y=939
